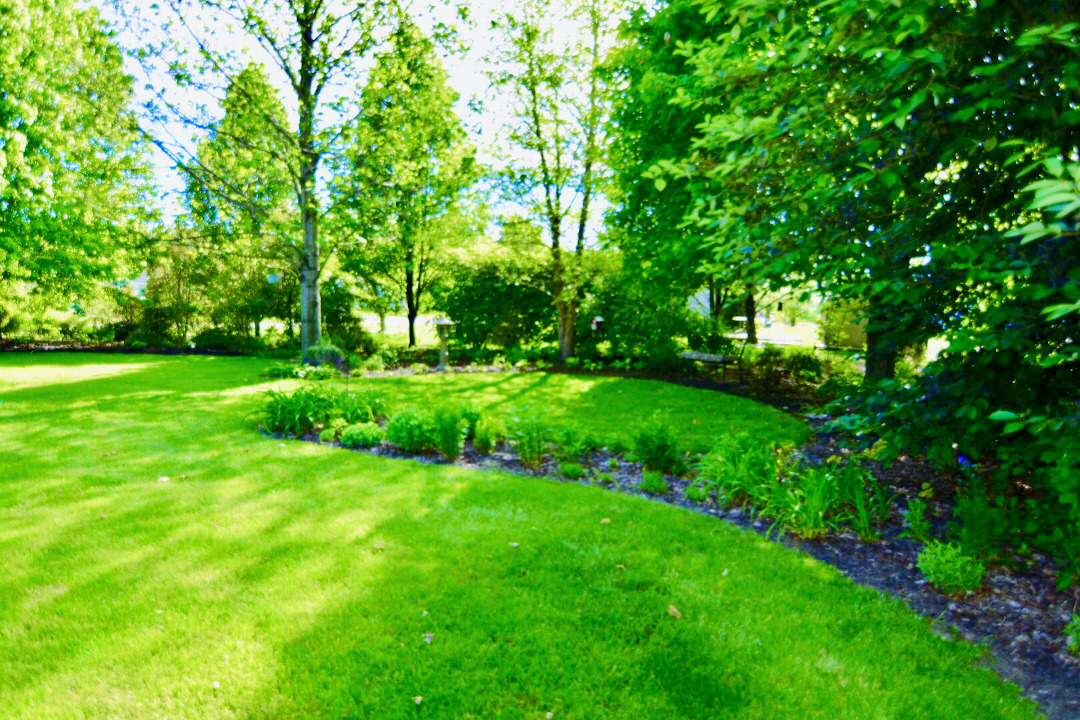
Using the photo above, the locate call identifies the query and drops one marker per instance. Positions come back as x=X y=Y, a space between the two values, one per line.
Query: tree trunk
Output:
x=881 y=356
x=566 y=313
x=751 y=319
x=382 y=323
x=307 y=97
x=411 y=309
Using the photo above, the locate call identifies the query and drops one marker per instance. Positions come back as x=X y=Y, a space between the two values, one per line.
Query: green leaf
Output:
x=1002 y=415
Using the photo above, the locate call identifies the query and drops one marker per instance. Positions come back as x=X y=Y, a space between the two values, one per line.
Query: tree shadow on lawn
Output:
x=506 y=608
x=607 y=407
x=168 y=575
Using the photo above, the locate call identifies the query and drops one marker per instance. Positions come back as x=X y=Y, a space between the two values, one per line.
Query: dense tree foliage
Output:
x=921 y=160
x=72 y=175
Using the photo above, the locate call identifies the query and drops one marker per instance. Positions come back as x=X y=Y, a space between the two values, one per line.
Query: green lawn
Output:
x=605 y=406
x=291 y=580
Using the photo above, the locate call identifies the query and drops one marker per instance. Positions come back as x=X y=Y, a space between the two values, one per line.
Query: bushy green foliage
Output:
x=805 y=366
x=854 y=485
x=654 y=482
x=743 y=471
x=328 y=435
x=946 y=413
x=280 y=372
x=362 y=435
x=296 y=413
x=703 y=335
x=657 y=445
x=300 y=411
x=360 y=405
x=768 y=368
x=571 y=443
x=697 y=492
x=571 y=470
x=411 y=430
x=497 y=300
x=949 y=569
x=619 y=445
x=1072 y=635
x=450 y=428
x=841 y=385
x=648 y=340
x=221 y=339
x=983 y=525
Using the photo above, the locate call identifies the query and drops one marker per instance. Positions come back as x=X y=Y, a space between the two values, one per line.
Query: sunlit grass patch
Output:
x=161 y=558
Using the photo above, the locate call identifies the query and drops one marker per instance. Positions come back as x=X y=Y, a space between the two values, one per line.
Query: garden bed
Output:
x=1019 y=615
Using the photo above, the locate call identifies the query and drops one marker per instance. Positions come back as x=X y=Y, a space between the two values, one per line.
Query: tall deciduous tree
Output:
x=317 y=49
x=239 y=199
x=405 y=173
x=72 y=177
x=560 y=100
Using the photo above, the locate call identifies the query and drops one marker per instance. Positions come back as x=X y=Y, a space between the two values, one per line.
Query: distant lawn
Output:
x=605 y=406
x=291 y=580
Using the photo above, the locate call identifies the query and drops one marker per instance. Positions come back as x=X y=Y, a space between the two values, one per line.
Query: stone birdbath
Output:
x=442 y=326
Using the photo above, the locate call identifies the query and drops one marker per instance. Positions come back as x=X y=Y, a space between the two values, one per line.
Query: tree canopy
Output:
x=74 y=190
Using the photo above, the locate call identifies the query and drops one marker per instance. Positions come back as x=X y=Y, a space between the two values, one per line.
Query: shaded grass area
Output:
x=306 y=581
x=604 y=406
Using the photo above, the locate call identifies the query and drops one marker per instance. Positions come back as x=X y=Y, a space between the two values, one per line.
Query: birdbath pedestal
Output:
x=442 y=326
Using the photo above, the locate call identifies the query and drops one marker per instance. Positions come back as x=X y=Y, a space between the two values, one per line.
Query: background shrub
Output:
x=324 y=353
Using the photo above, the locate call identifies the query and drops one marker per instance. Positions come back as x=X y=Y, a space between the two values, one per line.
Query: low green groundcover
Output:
x=163 y=559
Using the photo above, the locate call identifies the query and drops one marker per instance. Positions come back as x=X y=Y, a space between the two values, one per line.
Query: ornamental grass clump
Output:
x=810 y=503
x=657 y=446
x=949 y=569
x=488 y=435
x=449 y=428
x=530 y=433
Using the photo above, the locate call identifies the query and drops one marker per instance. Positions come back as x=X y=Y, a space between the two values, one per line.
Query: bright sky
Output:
x=466 y=71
